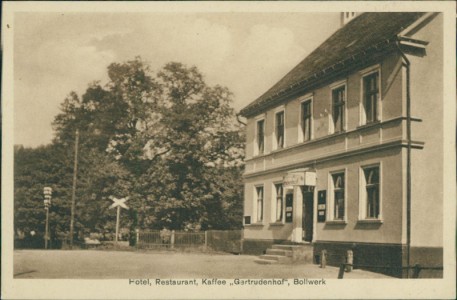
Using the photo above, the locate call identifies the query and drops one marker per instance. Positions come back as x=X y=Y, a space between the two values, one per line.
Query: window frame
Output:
x=336 y=86
x=257 y=144
x=256 y=204
x=274 y=215
x=276 y=131
x=378 y=107
x=363 y=195
x=301 y=134
x=331 y=216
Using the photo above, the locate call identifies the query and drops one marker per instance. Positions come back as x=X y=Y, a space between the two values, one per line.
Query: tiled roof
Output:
x=368 y=31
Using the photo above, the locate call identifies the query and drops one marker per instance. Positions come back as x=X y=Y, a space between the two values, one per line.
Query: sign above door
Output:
x=299 y=179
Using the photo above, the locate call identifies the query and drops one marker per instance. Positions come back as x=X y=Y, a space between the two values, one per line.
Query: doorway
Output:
x=307 y=221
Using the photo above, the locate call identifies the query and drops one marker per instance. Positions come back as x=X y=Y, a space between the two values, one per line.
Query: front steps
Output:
x=283 y=254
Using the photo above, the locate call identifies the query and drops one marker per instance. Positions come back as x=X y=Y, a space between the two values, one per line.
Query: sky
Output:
x=56 y=53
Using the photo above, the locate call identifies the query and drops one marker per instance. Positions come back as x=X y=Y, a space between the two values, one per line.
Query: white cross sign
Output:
x=119 y=202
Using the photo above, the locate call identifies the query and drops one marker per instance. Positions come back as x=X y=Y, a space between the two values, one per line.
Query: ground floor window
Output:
x=259 y=193
x=279 y=202
x=338 y=195
x=371 y=192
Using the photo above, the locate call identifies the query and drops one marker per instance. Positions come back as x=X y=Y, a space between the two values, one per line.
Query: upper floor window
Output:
x=371 y=97
x=306 y=119
x=279 y=130
x=260 y=137
x=338 y=109
x=338 y=195
x=259 y=194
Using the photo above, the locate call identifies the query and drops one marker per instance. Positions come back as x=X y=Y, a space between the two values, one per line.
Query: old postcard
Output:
x=228 y=150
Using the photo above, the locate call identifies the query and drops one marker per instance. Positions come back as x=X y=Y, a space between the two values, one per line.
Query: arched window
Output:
x=338 y=196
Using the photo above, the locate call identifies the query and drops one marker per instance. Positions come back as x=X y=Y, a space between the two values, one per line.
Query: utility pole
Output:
x=73 y=194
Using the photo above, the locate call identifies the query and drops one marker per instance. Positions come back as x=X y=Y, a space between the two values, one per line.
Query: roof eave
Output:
x=324 y=76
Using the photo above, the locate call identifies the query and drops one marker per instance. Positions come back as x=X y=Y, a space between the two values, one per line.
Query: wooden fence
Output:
x=220 y=240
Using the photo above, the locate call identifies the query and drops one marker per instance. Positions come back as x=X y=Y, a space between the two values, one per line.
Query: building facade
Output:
x=346 y=151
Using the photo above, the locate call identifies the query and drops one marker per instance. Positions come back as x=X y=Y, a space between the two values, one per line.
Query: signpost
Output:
x=118 y=203
x=47 y=191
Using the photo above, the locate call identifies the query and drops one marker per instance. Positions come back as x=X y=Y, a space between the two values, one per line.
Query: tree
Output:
x=167 y=140
x=35 y=169
x=195 y=144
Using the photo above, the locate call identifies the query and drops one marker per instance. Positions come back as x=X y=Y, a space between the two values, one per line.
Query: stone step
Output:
x=283 y=252
x=278 y=258
x=293 y=247
x=271 y=257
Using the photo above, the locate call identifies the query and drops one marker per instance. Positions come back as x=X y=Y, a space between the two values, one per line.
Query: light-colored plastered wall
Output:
x=427 y=164
x=389 y=231
x=265 y=230
x=391 y=107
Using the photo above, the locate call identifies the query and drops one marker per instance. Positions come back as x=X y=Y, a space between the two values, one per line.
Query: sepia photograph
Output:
x=222 y=150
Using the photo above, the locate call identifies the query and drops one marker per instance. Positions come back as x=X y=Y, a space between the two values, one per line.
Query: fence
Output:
x=220 y=240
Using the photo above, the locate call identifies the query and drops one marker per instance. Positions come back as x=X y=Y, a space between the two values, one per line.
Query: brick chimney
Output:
x=346 y=17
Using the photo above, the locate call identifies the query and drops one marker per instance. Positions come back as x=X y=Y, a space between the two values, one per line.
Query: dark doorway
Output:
x=289 y=207
x=307 y=215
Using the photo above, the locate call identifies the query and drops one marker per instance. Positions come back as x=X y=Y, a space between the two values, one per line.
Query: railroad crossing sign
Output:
x=118 y=203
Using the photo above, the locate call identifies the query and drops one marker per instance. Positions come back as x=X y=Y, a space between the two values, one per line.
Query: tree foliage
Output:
x=167 y=140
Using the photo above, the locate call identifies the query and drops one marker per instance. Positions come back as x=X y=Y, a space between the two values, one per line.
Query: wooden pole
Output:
x=73 y=194
x=349 y=260
x=323 y=258
x=117 y=222
x=137 y=237
x=206 y=238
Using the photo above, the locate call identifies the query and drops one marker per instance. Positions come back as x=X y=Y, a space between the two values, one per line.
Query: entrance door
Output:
x=307 y=216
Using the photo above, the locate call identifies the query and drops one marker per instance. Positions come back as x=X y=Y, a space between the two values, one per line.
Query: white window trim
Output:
x=274 y=196
x=334 y=86
x=301 y=138
x=256 y=142
x=363 y=195
x=255 y=214
x=331 y=196
x=277 y=110
x=364 y=73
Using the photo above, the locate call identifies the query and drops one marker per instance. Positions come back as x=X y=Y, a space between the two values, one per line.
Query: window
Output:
x=370 y=96
x=306 y=120
x=371 y=175
x=260 y=136
x=259 y=192
x=338 y=101
x=280 y=130
x=279 y=202
x=338 y=196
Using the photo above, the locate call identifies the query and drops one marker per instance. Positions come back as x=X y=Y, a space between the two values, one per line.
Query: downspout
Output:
x=406 y=63
x=238 y=119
